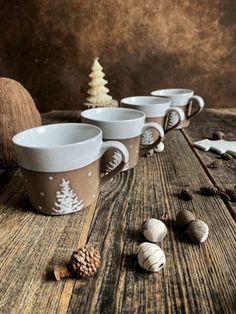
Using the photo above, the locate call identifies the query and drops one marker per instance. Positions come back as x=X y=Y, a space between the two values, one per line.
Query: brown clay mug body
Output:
x=156 y=109
x=61 y=165
x=185 y=100
x=126 y=126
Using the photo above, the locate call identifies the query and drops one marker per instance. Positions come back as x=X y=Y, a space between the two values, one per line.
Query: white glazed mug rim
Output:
x=60 y=158
x=36 y=130
x=115 y=123
x=152 y=106
x=154 y=101
x=91 y=114
x=172 y=92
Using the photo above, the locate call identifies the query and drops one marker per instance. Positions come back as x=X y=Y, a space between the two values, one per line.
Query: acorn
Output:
x=198 y=231
x=184 y=217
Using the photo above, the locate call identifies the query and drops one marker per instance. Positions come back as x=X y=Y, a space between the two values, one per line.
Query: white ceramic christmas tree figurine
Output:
x=98 y=93
x=67 y=200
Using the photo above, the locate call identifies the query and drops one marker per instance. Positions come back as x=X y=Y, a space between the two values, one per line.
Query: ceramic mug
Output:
x=61 y=165
x=184 y=99
x=126 y=126
x=157 y=109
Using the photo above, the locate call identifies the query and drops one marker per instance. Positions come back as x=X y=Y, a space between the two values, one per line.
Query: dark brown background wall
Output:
x=49 y=45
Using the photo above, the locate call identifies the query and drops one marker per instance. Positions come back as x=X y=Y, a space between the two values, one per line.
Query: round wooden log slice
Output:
x=112 y=103
x=17 y=113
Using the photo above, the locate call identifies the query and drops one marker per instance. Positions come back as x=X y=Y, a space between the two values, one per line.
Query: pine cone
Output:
x=186 y=194
x=215 y=164
x=85 y=262
x=226 y=156
x=231 y=194
x=208 y=190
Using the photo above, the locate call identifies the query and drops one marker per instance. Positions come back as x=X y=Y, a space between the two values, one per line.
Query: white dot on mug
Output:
x=40 y=207
x=42 y=193
x=131 y=146
x=50 y=178
x=94 y=195
x=89 y=173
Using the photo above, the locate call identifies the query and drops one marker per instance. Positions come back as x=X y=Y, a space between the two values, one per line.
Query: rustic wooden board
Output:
x=224 y=177
x=31 y=244
x=196 y=279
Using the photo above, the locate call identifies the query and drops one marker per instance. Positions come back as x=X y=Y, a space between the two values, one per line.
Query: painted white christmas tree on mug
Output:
x=67 y=201
x=116 y=160
x=173 y=119
x=147 y=137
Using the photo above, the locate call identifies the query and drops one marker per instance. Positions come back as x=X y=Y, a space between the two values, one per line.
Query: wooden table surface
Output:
x=196 y=278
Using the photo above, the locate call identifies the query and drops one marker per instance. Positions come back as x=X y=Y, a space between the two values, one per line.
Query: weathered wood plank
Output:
x=31 y=244
x=196 y=279
x=224 y=177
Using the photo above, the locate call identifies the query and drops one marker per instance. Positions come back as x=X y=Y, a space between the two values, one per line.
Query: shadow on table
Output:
x=131 y=263
x=135 y=235
x=180 y=235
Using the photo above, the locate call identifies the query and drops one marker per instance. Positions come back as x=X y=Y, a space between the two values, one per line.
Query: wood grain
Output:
x=196 y=278
x=31 y=244
x=224 y=177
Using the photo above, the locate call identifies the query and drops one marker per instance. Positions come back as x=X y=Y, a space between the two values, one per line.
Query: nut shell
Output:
x=151 y=257
x=184 y=217
x=150 y=153
x=198 y=231
x=217 y=135
x=17 y=113
x=154 y=230
x=159 y=148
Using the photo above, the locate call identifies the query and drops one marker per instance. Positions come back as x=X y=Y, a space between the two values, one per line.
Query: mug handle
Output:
x=181 y=116
x=124 y=154
x=159 y=129
x=200 y=104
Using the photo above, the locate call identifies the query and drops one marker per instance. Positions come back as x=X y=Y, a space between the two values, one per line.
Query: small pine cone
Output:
x=215 y=164
x=208 y=190
x=85 y=262
x=226 y=156
x=231 y=194
x=186 y=194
